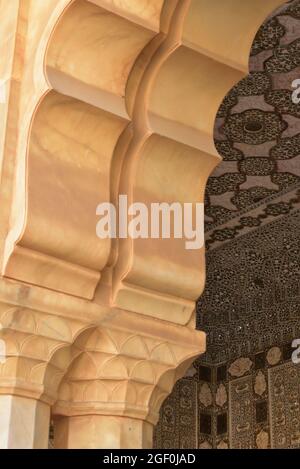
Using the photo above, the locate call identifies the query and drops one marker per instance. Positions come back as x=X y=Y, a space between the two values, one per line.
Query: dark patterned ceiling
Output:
x=252 y=295
x=257 y=132
x=251 y=299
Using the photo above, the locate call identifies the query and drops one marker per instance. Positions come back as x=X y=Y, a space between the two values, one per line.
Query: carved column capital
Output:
x=34 y=351
x=126 y=370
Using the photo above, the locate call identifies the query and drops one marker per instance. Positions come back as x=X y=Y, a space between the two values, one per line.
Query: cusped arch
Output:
x=87 y=144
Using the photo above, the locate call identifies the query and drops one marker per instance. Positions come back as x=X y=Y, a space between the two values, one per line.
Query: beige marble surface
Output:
x=102 y=432
x=24 y=423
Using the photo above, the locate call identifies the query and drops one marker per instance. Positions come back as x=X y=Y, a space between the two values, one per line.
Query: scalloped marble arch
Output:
x=110 y=108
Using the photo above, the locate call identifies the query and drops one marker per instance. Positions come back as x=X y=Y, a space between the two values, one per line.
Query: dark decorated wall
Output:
x=245 y=391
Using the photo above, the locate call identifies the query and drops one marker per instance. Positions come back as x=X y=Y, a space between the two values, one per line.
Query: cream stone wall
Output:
x=104 y=97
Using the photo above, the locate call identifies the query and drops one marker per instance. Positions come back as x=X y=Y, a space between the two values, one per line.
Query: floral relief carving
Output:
x=260 y=384
x=240 y=367
x=222 y=445
x=221 y=396
x=205 y=445
x=274 y=356
x=205 y=395
x=262 y=440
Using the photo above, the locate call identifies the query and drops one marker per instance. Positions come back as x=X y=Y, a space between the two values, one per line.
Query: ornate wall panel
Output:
x=178 y=419
x=284 y=389
x=241 y=411
x=249 y=402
